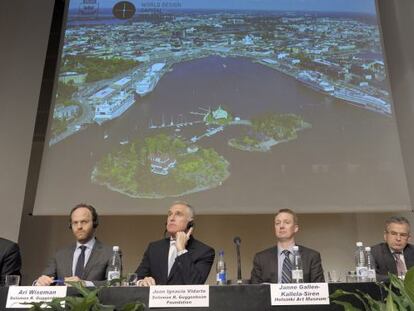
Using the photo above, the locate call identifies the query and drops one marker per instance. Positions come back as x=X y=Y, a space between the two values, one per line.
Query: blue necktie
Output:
x=81 y=262
x=286 y=268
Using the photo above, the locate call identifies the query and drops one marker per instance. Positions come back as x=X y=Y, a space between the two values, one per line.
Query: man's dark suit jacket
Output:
x=10 y=260
x=265 y=266
x=192 y=267
x=60 y=266
x=385 y=262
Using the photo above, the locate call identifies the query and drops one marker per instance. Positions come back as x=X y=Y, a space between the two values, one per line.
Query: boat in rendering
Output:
x=113 y=107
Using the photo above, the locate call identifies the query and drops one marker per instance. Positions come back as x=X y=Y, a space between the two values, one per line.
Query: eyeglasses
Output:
x=401 y=235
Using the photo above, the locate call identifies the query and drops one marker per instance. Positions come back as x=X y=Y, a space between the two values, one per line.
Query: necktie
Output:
x=172 y=254
x=401 y=269
x=286 y=268
x=81 y=262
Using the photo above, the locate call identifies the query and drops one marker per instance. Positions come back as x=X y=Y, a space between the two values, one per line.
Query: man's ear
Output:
x=296 y=228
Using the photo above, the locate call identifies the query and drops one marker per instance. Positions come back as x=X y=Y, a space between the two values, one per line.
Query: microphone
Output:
x=237 y=241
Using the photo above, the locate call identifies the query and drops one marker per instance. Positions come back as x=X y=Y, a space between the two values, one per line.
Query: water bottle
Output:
x=360 y=263
x=221 y=270
x=297 y=270
x=371 y=275
x=115 y=266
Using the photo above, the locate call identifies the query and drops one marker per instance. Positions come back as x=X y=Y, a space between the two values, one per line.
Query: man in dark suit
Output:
x=395 y=255
x=274 y=265
x=179 y=259
x=87 y=260
x=10 y=260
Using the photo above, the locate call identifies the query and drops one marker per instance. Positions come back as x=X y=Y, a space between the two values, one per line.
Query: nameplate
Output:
x=20 y=297
x=299 y=294
x=173 y=296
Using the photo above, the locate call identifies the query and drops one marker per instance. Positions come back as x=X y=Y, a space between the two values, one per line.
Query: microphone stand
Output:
x=237 y=241
x=239 y=276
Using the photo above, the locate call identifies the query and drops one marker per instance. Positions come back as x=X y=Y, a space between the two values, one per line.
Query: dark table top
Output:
x=223 y=298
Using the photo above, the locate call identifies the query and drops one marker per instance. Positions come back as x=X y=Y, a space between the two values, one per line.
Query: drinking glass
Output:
x=351 y=277
x=12 y=280
x=132 y=279
x=334 y=276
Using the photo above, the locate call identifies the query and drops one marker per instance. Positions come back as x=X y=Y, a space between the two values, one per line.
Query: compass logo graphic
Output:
x=124 y=10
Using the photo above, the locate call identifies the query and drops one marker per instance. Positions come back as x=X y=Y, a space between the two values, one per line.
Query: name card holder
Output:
x=173 y=296
x=299 y=294
x=20 y=297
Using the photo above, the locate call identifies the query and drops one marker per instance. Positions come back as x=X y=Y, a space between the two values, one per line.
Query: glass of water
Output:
x=334 y=276
x=131 y=279
x=12 y=280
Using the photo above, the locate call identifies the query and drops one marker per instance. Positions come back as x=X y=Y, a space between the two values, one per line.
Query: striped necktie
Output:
x=401 y=269
x=286 y=268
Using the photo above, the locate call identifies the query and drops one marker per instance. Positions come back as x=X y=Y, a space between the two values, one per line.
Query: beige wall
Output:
x=24 y=28
x=334 y=235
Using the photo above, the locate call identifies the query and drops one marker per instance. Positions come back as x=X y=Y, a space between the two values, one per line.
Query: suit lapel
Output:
x=164 y=261
x=389 y=259
x=303 y=254
x=409 y=256
x=189 y=247
x=96 y=250
x=305 y=268
x=69 y=257
x=274 y=264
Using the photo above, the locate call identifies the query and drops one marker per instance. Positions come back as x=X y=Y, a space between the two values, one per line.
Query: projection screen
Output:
x=238 y=107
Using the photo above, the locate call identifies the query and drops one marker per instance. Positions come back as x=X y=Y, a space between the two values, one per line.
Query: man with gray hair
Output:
x=178 y=259
x=395 y=254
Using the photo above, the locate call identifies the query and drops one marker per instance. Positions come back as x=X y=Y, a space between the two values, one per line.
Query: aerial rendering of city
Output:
x=180 y=92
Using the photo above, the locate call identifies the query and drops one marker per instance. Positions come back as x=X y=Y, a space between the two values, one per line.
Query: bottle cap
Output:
x=367 y=249
x=115 y=248
x=359 y=244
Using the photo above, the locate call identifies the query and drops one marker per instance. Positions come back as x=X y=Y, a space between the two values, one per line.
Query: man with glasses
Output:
x=87 y=260
x=396 y=255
